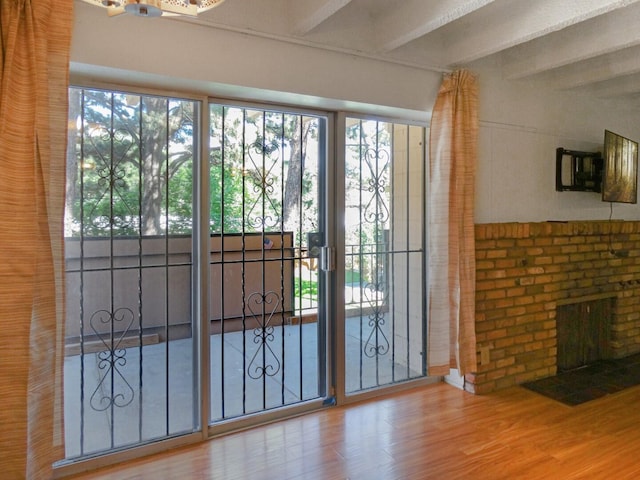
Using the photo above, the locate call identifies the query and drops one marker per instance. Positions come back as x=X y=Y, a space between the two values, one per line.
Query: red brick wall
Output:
x=525 y=269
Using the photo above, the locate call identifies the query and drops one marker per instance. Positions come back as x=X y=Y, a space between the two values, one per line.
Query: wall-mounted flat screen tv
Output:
x=620 y=177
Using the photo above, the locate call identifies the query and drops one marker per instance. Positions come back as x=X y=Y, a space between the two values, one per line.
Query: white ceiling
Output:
x=589 y=46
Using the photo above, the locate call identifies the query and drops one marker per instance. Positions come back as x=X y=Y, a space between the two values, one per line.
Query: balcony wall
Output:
x=121 y=286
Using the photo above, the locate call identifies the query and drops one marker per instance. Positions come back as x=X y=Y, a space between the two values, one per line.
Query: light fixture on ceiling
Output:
x=155 y=8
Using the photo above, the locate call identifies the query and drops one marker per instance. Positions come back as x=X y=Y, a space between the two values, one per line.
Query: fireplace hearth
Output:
x=603 y=377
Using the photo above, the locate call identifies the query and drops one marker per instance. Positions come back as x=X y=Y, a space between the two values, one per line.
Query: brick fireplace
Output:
x=525 y=271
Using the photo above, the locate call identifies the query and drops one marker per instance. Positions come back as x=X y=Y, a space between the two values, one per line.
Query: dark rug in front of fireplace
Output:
x=590 y=382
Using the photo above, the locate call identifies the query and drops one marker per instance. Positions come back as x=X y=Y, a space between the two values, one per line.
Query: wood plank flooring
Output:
x=435 y=432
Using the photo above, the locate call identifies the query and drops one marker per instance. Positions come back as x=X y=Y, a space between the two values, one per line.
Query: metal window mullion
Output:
x=166 y=277
x=140 y=270
x=81 y=273
x=300 y=279
x=222 y=259
x=201 y=270
x=425 y=256
x=300 y=228
x=389 y=271
x=111 y=283
x=376 y=257
x=262 y=266
x=408 y=248
x=282 y=296
x=325 y=300
x=243 y=258
x=360 y=199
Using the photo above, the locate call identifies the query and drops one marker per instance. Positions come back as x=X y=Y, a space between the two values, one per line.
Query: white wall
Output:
x=521 y=123
x=182 y=56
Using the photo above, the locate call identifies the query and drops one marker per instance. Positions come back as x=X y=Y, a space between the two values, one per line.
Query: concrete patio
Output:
x=153 y=385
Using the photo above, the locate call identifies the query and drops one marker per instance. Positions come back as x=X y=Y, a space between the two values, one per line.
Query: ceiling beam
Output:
x=413 y=19
x=616 y=31
x=308 y=14
x=626 y=86
x=524 y=22
x=597 y=70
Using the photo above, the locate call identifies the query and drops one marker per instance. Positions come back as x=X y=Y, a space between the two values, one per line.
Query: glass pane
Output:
x=265 y=208
x=129 y=349
x=384 y=238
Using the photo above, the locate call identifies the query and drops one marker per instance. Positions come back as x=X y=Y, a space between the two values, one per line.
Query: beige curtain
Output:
x=451 y=341
x=34 y=64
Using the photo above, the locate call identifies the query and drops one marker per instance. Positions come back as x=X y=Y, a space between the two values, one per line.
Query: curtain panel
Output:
x=35 y=38
x=451 y=340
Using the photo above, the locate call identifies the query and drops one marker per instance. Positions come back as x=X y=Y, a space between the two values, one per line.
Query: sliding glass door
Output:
x=130 y=370
x=267 y=237
x=384 y=308
x=203 y=288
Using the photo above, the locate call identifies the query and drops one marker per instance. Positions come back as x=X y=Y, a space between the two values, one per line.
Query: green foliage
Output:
x=251 y=175
x=130 y=168
x=305 y=288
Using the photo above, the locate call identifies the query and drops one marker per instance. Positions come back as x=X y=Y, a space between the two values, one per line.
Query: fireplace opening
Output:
x=583 y=332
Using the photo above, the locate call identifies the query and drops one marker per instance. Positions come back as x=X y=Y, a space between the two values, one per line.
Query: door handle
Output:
x=327 y=259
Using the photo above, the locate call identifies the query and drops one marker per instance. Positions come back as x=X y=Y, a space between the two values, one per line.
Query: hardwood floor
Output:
x=436 y=432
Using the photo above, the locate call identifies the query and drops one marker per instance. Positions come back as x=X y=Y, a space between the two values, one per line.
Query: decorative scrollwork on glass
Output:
x=263 y=211
x=113 y=389
x=262 y=308
x=376 y=209
x=377 y=343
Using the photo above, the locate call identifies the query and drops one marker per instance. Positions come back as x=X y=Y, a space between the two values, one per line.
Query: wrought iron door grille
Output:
x=384 y=248
x=129 y=376
x=265 y=200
